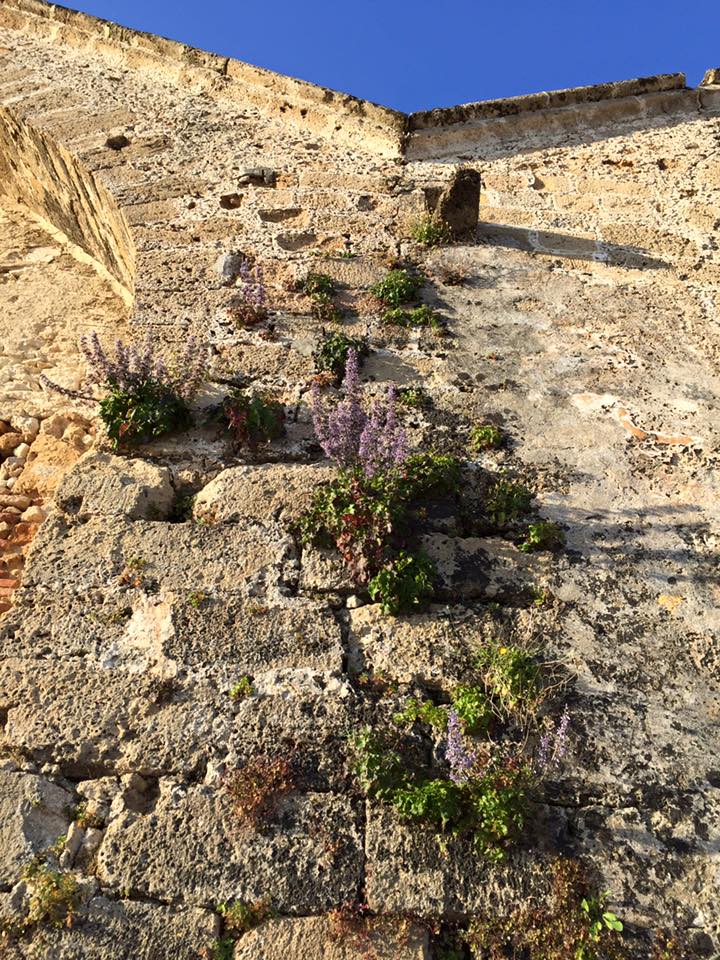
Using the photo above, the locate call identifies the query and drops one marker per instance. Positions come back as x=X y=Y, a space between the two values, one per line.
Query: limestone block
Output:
x=101 y=484
x=266 y=492
x=33 y=813
x=473 y=567
x=306 y=937
x=47 y=463
x=189 y=846
x=242 y=558
x=324 y=571
x=108 y=929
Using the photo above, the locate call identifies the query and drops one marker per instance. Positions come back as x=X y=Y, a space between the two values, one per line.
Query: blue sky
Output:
x=416 y=54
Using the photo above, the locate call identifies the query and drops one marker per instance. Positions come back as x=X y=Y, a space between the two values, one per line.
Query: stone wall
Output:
x=579 y=316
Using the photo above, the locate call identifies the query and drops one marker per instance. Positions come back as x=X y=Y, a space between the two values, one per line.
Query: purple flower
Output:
x=461 y=759
x=351 y=437
x=132 y=367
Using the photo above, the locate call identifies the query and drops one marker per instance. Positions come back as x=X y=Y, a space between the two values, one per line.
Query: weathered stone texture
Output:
x=144 y=660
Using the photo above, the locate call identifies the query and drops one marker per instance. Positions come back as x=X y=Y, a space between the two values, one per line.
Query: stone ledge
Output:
x=339 y=115
x=511 y=106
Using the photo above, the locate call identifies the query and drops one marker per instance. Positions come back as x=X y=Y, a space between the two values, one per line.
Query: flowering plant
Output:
x=144 y=398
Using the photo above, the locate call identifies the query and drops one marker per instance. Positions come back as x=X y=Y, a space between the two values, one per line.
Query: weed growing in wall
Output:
x=485 y=436
x=398 y=287
x=422 y=316
x=332 y=352
x=571 y=923
x=250 y=418
x=431 y=231
x=256 y=789
x=142 y=397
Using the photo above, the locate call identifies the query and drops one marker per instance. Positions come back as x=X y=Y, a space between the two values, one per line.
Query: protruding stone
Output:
x=103 y=485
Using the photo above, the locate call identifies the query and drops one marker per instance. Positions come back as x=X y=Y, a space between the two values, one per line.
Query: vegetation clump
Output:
x=431 y=231
x=242 y=689
x=543 y=535
x=256 y=789
x=397 y=287
x=572 y=923
x=485 y=436
x=321 y=290
x=422 y=316
x=250 y=305
x=365 y=512
x=506 y=500
x=142 y=398
x=332 y=353
x=239 y=917
x=54 y=895
x=251 y=418
x=415 y=398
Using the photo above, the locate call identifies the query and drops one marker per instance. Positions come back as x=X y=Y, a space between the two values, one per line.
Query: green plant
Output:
x=397 y=287
x=471 y=704
x=196 y=599
x=473 y=708
x=485 y=436
x=424 y=710
x=570 y=923
x=510 y=674
x=242 y=689
x=54 y=895
x=221 y=949
x=380 y=771
x=429 y=473
x=489 y=807
x=366 y=518
x=404 y=583
x=422 y=316
x=317 y=284
x=239 y=917
x=81 y=815
x=543 y=535
x=324 y=309
x=256 y=789
x=251 y=418
x=416 y=398
x=332 y=353
x=431 y=231
x=506 y=500
x=143 y=413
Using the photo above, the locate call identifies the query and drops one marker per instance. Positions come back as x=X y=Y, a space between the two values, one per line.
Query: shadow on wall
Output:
x=574 y=248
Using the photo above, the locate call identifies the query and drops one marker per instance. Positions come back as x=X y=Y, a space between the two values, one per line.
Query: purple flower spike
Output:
x=461 y=759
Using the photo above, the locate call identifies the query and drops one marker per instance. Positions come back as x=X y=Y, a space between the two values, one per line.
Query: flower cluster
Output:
x=132 y=368
x=251 y=304
x=350 y=436
x=552 y=746
x=461 y=759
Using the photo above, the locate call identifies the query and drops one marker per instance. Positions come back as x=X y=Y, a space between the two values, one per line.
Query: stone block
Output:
x=104 y=485
x=314 y=937
x=33 y=813
x=266 y=492
x=190 y=847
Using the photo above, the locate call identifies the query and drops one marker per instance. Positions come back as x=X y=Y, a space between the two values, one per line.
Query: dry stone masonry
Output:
x=162 y=625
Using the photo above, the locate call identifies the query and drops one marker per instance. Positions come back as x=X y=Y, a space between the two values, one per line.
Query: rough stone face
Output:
x=266 y=492
x=33 y=813
x=188 y=846
x=142 y=660
x=47 y=463
x=103 y=485
x=459 y=203
x=314 y=937
x=113 y=930
x=241 y=559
